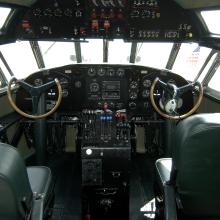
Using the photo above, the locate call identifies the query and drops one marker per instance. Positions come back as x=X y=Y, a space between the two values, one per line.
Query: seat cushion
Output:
x=164 y=166
x=15 y=189
x=40 y=179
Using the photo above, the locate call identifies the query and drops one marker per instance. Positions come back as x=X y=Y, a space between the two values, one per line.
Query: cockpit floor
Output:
x=66 y=169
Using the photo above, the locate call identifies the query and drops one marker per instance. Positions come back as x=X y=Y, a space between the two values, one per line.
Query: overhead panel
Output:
x=131 y=20
x=193 y=4
x=19 y=2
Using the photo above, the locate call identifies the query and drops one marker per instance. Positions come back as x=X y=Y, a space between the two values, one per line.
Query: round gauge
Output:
x=65 y=93
x=63 y=81
x=68 y=12
x=101 y=71
x=133 y=95
x=48 y=12
x=134 y=84
x=120 y=72
x=145 y=93
x=94 y=87
x=147 y=83
x=38 y=82
x=78 y=84
x=37 y=12
x=132 y=105
x=58 y=12
x=110 y=72
x=91 y=71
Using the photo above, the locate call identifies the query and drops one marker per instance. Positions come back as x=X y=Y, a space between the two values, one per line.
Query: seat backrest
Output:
x=196 y=159
x=15 y=190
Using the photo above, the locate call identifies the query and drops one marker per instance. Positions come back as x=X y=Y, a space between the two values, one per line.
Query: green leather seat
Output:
x=23 y=191
x=193 y=173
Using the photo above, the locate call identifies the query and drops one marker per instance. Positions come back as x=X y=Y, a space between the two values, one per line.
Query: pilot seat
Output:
x=188 y=184
x=25 y=193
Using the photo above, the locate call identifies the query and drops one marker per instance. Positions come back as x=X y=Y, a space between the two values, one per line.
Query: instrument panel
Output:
x=94 y=87
x=141 y=20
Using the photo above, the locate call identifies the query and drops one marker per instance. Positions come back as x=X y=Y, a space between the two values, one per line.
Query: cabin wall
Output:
x=209 y=105
x=6 y=109
x=5 y=106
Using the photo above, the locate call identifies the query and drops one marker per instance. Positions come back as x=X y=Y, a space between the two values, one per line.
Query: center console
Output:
x=105 y=160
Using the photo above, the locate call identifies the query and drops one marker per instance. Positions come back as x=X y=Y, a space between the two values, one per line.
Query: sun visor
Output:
x=194 y=4
x=26 y=3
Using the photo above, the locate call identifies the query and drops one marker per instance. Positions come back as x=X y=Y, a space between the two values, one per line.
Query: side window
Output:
x=214 y=83
x=207 y=68
x=4 y=75
x=20 y=58
x=3 y=80
x=190 y=60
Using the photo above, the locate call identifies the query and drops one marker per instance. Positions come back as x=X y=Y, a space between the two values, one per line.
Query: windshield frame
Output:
x=133 y=51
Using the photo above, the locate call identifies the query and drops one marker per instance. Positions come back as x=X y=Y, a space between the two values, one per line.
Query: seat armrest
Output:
x=38 y=210
x=169 y=202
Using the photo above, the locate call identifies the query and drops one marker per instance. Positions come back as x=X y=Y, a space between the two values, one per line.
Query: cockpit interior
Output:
x=109 y=109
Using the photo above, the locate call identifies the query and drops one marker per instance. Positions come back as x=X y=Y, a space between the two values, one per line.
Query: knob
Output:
x=145 y=93
x=91 y=71
x=134 y=84
x=133 y=95
x=94 y=87
x=147 y=83
x=132 y=105
x=101 y=71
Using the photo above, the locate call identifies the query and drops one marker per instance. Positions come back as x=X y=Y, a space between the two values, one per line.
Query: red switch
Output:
x=106 y=24
x=111 y=14
x=120 y=14
x=105 y=106
x=95 y=24
x=25 y=25
x=82 y=31
x=102 y=15
x=93 y=14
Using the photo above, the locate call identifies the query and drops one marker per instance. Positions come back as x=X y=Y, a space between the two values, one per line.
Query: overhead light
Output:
x=4 y=12
x=212 y=18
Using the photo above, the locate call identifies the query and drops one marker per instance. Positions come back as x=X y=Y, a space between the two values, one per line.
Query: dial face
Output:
x=132 y=105
x=134 y=84
x=147 y=83
x=91 y=71
x=38 y=82
x=65 y=93
x=48 y=12
x=110 y=72
x=120 y=72
x=78 y=84
x=37 y=12
x=63 y=81
x=101 y=71
x=94 y=87
x=145 y=93
x=133 y=95
x=68 y=12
